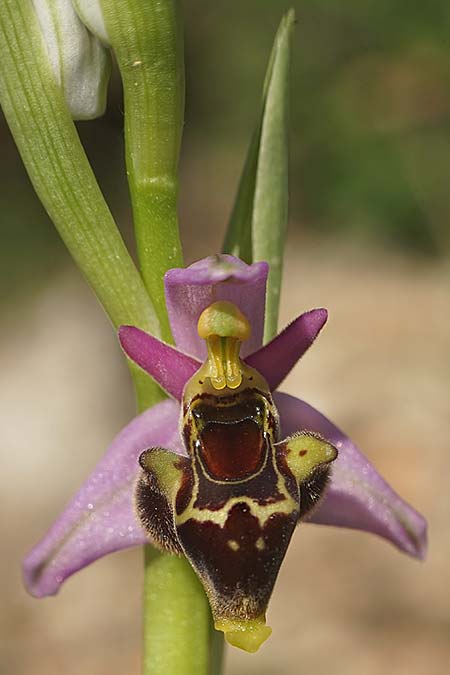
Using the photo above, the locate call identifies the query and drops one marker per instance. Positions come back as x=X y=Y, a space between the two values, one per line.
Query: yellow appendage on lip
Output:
x=223 y=326
x=247 y=635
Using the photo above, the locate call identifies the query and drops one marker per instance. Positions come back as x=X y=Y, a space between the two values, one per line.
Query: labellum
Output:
x=231 y=506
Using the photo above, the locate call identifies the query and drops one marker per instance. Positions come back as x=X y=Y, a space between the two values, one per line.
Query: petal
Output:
x=279 y=356
x=357 y=497
x=100 y=518
x=172 y=368
x=169 y=367
x=223 y=277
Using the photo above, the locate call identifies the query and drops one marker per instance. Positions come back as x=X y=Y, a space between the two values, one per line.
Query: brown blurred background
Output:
x=369 y=239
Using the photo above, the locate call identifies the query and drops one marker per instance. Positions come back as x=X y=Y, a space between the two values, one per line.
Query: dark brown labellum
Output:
x=231 y=506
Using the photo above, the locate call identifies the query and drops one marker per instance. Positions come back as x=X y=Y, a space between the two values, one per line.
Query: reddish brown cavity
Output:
x=302 y=453
x=231 y=451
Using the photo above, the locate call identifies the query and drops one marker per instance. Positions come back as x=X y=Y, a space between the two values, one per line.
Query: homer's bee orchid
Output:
x=223 y=470
x=232 y=505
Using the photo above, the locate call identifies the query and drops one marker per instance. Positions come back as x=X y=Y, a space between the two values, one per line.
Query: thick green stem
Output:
x=177 y=624
x=147 y=39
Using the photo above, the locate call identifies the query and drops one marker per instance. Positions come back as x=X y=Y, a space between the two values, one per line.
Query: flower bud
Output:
x=91 y=14
x=80 y=63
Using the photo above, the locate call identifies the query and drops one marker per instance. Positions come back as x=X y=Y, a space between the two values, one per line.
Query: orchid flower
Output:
x=134 y=494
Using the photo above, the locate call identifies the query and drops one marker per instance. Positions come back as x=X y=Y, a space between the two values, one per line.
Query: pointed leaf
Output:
x=258 y=223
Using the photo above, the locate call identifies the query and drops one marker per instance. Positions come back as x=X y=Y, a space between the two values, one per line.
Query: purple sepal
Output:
x=222 y=277
x=100 y=518
x=168 y=366
x=357 y=497
x=279 y=356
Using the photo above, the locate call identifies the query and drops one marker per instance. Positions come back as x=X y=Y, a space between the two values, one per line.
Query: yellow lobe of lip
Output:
x=223 y=326
x=247 y=635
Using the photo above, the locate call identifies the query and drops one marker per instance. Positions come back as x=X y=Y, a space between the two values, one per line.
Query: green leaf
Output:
x=57 y=165
x=257 y=227
x=46 y=137
x=238 y=238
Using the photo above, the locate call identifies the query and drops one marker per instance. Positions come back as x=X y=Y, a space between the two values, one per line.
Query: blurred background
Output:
x=369 y=239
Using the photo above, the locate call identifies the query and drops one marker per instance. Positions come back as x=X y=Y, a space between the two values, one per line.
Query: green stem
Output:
x=217 y=648
x=177 y=618
x=147 y=39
